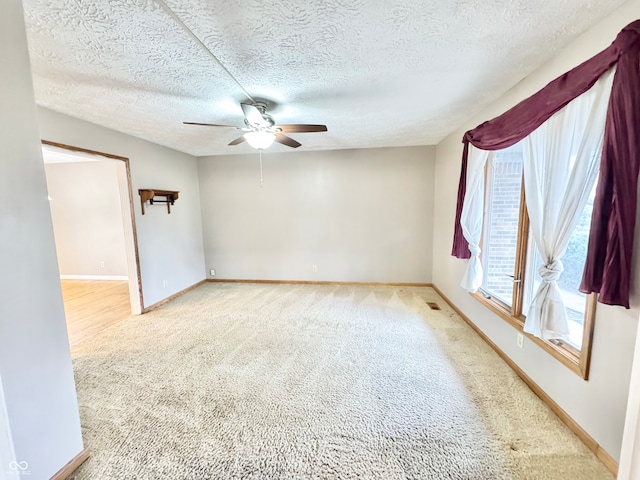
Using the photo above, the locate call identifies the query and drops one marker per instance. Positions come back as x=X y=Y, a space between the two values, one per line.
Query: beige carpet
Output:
x=255 y=381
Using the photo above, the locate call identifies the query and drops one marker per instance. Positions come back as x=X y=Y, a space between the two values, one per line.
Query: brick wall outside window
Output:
x=499 y=247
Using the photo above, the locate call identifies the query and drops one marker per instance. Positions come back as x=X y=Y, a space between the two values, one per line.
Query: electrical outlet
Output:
x=520 y=340
x=212 y=272
x=165 y=283
x=101 y=264
x=314 y=268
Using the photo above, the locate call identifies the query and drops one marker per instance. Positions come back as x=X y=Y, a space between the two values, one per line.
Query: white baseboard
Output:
x=94 y=277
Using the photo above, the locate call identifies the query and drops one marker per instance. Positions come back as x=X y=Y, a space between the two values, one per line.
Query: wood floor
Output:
x=91 y=306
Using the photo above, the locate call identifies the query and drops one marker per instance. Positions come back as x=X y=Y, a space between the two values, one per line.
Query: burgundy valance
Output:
x=608 y=266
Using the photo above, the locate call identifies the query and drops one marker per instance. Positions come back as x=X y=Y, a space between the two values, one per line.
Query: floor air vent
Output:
x=433 y=305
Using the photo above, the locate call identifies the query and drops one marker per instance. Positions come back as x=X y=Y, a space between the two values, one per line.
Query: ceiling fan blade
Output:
x=288 y=141
x=238 y=140
x=210 y=124
x=253 y=115
x=302 y=128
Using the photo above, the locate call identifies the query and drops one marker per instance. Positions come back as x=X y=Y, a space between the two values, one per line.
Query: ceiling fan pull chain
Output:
x=261 y=179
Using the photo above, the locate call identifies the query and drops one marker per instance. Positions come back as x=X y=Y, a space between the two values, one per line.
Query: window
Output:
x=530 y=197
x=502 y=216
x=510 y=260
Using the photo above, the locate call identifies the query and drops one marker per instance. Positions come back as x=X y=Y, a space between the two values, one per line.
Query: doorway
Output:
x=94 y=228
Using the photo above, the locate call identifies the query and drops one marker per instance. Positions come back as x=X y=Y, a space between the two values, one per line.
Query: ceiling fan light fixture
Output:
x=259 y=140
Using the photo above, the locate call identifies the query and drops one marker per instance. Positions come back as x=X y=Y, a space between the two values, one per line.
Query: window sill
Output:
x=577 y=361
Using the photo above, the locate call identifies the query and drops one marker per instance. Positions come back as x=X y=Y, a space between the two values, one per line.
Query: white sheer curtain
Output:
x=471 y=217
x=561 y=164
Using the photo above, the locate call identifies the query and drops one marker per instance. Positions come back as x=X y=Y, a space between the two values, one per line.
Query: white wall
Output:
x=359 y=215
x=170 y=246
x=599 y=404
x=7 y=453
x=630 y=454
x=35 y=363
x=87 y=217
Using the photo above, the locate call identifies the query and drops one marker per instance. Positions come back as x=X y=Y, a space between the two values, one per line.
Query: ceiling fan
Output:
x=261 y=129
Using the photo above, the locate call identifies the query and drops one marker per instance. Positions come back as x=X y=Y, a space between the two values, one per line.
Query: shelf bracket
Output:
x=148 y=194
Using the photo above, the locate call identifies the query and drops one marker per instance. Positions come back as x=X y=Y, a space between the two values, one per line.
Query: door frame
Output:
x=131 y=235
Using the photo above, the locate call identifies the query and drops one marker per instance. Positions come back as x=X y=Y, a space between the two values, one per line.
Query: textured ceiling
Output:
x=377 y=73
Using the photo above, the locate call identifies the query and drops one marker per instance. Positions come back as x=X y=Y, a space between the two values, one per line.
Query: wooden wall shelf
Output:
x=170 y=196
